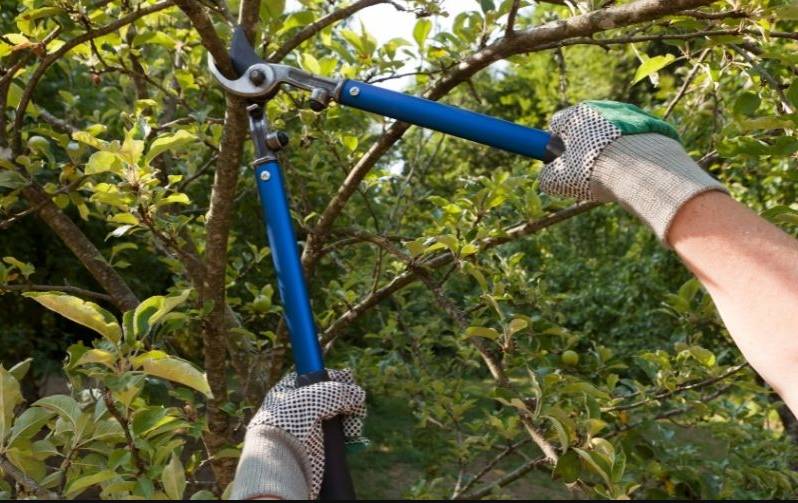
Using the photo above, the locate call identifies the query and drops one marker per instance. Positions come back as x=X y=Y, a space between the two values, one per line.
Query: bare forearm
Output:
x=750 y=268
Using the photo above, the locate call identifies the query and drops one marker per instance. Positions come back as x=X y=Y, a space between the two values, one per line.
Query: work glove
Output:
x=283 y=453
x=616 y=152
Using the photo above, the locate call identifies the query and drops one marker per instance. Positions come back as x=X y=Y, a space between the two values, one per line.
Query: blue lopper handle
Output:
x=455 y=121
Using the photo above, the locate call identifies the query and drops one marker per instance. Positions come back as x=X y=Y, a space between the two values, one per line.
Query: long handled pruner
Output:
x=258 y=81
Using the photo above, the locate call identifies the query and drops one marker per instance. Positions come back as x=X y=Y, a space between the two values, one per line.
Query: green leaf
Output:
x=152 y=310
x=594 y=464
x=487 y=333
x=272 y=8
x=97 y=356
x=85 y=313
x=704 y=356
x=20 y=370
x=562 y=433
x=169 y=142
x=10 y=397
x=103 y=161
x=28 y=424
x=89 y=139
x=350 y=142
x=517 y=325
x=63 y=405
x=24 y=268
x=77 y=486
x=568 y=467
x=421 y=31
x=176 y=198
x=178 y=371
x=124 y=218
x=173 y=478
x=145 y=421
x=792 y=91
x=650 y=66
x=310 y=63
x=747 y=104
x=11 y=179
x=487 y=5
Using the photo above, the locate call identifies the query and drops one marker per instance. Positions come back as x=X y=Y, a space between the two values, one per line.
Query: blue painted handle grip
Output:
x=451 y=120
x=290 y=278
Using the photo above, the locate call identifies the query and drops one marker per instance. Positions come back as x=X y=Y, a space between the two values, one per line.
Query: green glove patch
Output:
x=631 y=119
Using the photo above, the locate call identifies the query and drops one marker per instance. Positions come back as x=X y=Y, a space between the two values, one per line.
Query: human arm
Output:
x=283 y=453
x=619 y=153
x=750 y=268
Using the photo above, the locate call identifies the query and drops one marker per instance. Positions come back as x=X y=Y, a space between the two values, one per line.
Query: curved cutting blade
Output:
x=241 y=52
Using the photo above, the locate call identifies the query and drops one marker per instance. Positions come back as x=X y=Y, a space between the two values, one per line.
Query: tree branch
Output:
x=687 y=81
x=82 y=247
x=51 y=58
x=26 y=481
x=507 y=479
x=80 y=292
x=679 y=389
x=511 y=18
x=521 y=42
x=313 y=28
x=198 y=16
x=487 y=468
x=410 y=276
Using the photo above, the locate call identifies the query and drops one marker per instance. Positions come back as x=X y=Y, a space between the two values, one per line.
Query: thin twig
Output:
x=134 y=451
x=679 y=389
x=81 y=292
x=491 y=464
x=510 y=31
x=687 y=81
x=507 y=479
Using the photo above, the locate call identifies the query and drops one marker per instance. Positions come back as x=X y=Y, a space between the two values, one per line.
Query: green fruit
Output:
x=39 y=143
x=261 y=304
x=570 y=358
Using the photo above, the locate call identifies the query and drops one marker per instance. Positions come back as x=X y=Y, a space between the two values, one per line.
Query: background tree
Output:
x=510 y=342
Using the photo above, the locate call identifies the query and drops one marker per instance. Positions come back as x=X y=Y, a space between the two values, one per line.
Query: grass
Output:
x=400 y=455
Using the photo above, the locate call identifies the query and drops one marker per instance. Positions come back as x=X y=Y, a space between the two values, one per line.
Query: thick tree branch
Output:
x=80 y=245
x=198 y=16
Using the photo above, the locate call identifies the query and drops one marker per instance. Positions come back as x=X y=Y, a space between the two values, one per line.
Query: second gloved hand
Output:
x=616 y=152
x=283 y=452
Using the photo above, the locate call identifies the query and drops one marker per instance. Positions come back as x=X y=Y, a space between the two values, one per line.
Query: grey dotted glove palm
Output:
x=616 y=152
x=295 y=415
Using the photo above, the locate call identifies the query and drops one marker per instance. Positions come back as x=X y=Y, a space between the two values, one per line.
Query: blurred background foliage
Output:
x=613 y=356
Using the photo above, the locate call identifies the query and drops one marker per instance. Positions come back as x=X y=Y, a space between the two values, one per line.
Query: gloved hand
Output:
x=283 y=453
x=617 y=152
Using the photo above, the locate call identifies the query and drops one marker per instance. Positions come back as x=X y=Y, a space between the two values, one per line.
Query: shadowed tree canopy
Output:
x=512 y=344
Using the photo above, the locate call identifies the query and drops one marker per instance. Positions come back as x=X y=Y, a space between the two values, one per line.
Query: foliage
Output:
x=520 y=333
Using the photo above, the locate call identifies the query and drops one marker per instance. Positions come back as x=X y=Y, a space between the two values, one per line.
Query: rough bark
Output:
x=80 y=245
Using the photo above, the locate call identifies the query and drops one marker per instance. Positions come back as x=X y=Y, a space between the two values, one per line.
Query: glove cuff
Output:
x=273 y=463
x=651 y=176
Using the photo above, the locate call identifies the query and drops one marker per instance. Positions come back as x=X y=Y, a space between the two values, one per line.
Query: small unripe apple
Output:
x=570 y=358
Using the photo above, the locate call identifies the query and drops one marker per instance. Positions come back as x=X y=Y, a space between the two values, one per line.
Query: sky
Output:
x=384 y=22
